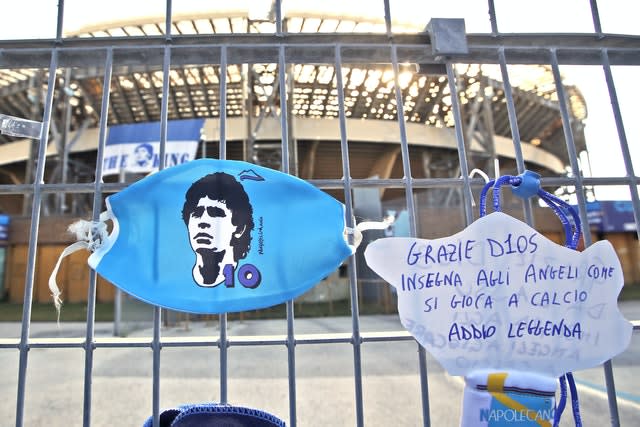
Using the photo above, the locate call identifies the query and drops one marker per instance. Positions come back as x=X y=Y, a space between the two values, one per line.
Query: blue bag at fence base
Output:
x=213 y=236
x=214 y=414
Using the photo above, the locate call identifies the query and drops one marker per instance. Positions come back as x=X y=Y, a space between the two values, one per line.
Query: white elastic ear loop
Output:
x=357 y=238
x=364 y=226
x=483 y=175
x=90 y=235
x=53 y=286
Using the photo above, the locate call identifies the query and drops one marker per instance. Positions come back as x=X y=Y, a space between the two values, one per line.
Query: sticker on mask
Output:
x=500 y=295
x=214 y=236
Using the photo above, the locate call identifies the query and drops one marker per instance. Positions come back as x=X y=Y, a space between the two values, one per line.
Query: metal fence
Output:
x=430 y=47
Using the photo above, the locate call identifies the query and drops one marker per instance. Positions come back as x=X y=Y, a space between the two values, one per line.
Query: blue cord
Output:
x=568 y=230
x=572 y=243
x=562 y=403
x=483 y=197
x=552 y=201
x=574 y=215
x=513 y=180
x=575 y=404
x=572 y=237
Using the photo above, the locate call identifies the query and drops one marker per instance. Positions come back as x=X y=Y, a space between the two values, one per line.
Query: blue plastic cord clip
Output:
x=528 y=186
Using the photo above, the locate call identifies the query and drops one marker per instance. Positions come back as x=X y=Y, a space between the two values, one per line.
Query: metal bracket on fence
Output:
x=448 y=36
x=15 y=126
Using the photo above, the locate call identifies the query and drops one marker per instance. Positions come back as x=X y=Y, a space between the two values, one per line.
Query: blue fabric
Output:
x=213 y=414
x=295 y=237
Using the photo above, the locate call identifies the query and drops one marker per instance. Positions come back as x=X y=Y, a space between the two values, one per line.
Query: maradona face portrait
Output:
x=219 y=220
x=143 y=155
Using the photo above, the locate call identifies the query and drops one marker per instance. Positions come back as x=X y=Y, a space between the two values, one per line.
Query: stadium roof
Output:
x=194 y=90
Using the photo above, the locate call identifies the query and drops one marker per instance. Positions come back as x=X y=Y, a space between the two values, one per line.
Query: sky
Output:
x=37 y=18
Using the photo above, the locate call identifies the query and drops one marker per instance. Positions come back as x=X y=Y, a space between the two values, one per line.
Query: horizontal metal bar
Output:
x=605 y=181
x=386 y=336
x=331 y=184
x=88 y=187
x=346 y=40
x=208 y=341
x=319 y=48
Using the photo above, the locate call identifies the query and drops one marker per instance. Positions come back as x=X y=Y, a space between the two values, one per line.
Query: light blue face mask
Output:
x=213 y=236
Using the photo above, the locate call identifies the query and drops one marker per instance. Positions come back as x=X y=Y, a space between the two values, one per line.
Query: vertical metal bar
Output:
x=611 y=394
x=35 y=82
x=167 y=22
x=63 y=146
x=511 y=109
x=515 y=131
x=622 y=135
x=33 y=240
x=424 y=385
x=387 y=18
x=406 y=167
x=223 y=155
x=349 y=220
x=586 y=232
x=117 y=312
x=223 y=103
x=404 y=145
x=284 y=128
x=164 y=108
x=633 y=189
x=59 y=24
x=223 y=358
x=247 y=89
x=571 y=148
x=156 y=346
x=292 y=161
x=291 y=364
x=492 y=18
x=596 y=17
x=278 y=7
x=89 y=345
x=462 y=153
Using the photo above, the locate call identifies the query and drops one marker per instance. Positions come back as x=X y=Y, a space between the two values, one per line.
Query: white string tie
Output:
x=90 y=236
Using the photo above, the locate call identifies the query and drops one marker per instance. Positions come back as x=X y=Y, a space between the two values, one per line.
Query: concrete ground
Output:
x=122 y=386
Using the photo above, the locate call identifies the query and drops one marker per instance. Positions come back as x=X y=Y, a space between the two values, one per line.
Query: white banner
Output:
x=135 y=147
x=144 y=157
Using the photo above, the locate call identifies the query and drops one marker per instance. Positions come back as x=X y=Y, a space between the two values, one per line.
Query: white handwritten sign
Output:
x=500 y=295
